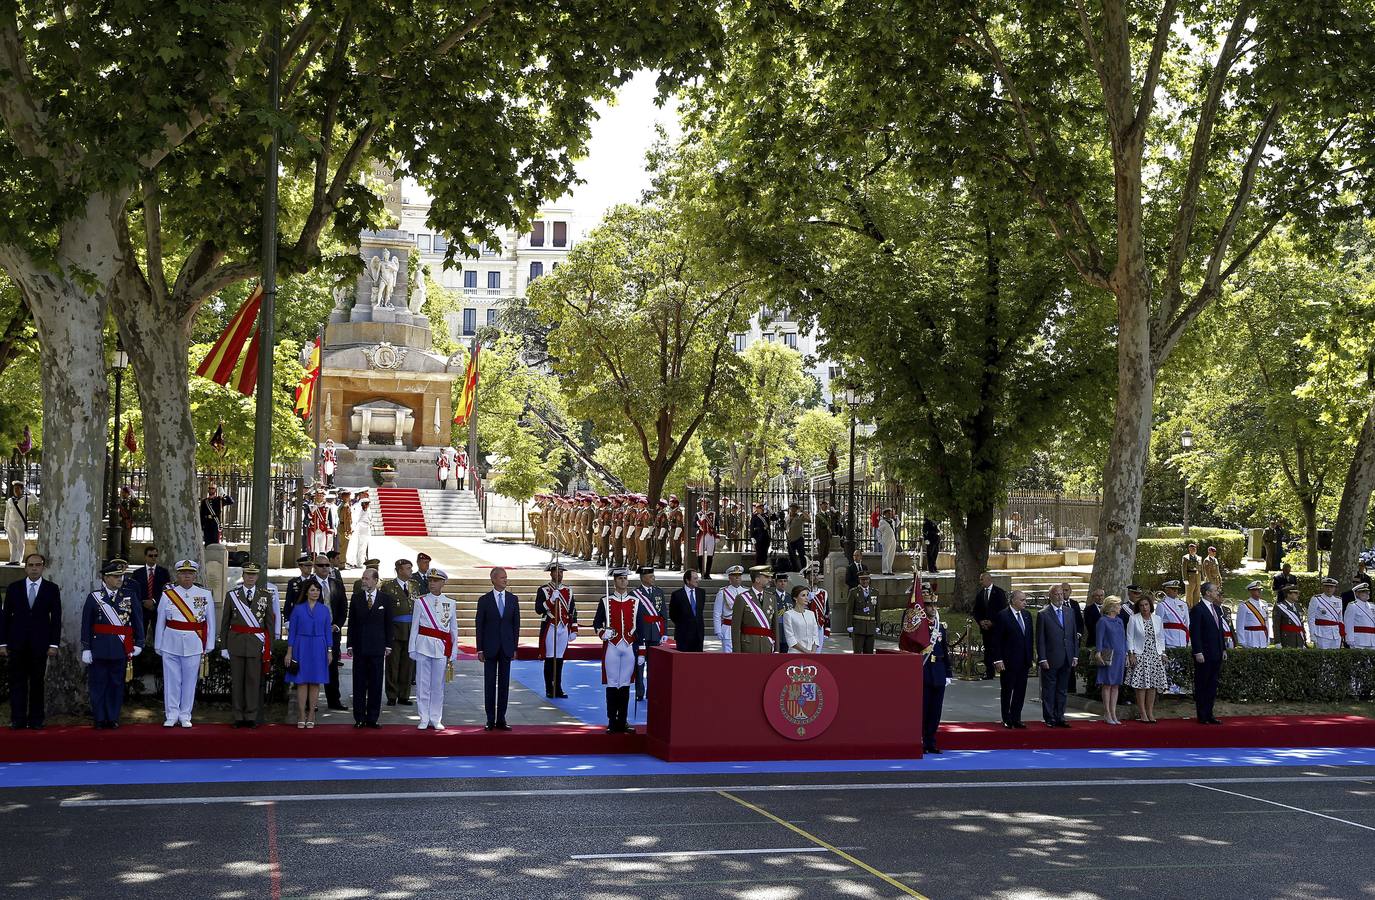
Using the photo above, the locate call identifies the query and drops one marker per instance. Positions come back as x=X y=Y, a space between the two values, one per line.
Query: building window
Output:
x=487 y=251
x=425 y=242
x=536 y=270
x=470 y=279
x=790 y=339
x=491 y=316
x=469 y=321
x=441 y=243
x=769 y=336
x=493 y=280
x=537 y=233
x=560 y=234
x=739 y=341
x=554 y=267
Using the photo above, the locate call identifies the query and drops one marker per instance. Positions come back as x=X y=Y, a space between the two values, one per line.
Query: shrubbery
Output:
x=1273 y=675
x=1157 y=558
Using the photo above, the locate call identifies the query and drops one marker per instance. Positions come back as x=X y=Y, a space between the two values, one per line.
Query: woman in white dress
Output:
x=801 y=630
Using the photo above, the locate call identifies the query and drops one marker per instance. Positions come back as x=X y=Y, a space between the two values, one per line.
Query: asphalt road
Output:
x=1157 y=833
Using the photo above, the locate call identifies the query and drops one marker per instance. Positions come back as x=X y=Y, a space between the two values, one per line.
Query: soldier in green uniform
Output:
x=248 y=626
x=863 y=615
x=753 y=616
x=400 y=666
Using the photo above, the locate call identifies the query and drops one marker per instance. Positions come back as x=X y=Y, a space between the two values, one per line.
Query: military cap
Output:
x=304 y=558
x=646 y=570
x=735 y=570
x=556 y=565
x=251 y=568
x=620 y=573
x=188 y=565
x=1254 y=586
x=1133 y=589
x=371 y=563
x=1329 y=582
x=1173 y=583
x=436 y=574
x=1360 y=588
x=115 y=567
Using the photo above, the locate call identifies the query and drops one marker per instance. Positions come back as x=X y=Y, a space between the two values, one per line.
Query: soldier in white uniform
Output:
x=1325 y=624
x=16 y=521
x=184 y=636
x=615 y=623
x=558 y=625
x=434 y=647
x=1359 y=619
x=1253 y=619
x=363 y=521
x=725 y=602
x=1174 y=612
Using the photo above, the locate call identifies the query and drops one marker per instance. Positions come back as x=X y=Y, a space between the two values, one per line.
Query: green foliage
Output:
x=758 y=418
x=528 y=458
x=816 y=433
x=627 y=463
x=1158 y=559
x=1273 y=675
x=212 y=404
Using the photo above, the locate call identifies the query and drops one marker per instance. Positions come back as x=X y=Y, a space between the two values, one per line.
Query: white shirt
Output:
x=800 y=631
x=1329 y=609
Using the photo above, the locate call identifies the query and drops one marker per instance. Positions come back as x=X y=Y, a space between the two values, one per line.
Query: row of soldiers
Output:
x=619 y=531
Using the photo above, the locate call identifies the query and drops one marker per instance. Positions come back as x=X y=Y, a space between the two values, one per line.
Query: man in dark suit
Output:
x=1057 y=648
x=1012 y=641
x=854 y=568
x=1205 y=637
x=30 y=631
x=685 y=609
x=370 y=628
x=988 y=604
x=759 y=533
x=332 y=590
x=295 y=588
x=498 y=630
x=147 y=582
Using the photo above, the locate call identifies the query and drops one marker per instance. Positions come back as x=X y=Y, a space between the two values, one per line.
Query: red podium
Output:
x=732 y=706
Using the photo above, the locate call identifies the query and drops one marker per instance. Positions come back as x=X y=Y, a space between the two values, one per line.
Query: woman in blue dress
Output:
x=308 y=644
x=1112 y=639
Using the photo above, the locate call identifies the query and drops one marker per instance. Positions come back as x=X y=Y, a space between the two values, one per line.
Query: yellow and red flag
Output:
x=226 y=363
x=305 y=388
x=469 y=394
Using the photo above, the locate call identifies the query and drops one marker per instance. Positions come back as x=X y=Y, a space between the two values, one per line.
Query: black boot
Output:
x=625 y=711
x=549 y=678
x=706 y=570
x=558 y=678
x=611 y=716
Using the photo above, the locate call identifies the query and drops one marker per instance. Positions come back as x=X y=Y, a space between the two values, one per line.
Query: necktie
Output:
x=501 y=603
x=1020 y=623
x=33 y=593
x=369 y=599
x=692 y=604
x=1060 y=615
x=150 y=581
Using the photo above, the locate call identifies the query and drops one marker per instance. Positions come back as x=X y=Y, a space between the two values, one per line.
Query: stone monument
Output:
x=385 y=392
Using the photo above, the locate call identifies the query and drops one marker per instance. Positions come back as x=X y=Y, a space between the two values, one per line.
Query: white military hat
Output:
x=735 y=570
x=1360 y=587
x=1329 y=582
x=437 y=573
x=1254 y=586
x=188 y=565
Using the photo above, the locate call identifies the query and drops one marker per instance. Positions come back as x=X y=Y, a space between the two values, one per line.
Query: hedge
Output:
x=1157 y=559
x=1273 y=675
x=1204 y=536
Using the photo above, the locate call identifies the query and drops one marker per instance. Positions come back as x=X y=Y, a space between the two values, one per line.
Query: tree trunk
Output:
x=658 y=474
x=1120 y=520
x=972 y=534
x=1348 y=534
x=158 y=339
x=1309 y=505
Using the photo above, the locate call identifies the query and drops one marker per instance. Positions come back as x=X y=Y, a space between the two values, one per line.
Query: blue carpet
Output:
x=582 y=682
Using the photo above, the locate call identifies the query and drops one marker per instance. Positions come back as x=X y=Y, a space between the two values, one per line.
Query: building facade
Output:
x=777 y=324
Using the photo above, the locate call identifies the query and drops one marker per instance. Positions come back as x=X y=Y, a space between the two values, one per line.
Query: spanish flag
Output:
x=305 y=388
x=226 y=363
x=466 y=399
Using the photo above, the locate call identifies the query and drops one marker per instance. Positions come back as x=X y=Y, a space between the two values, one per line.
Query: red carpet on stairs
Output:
x=1240 y=731
x=402 y=513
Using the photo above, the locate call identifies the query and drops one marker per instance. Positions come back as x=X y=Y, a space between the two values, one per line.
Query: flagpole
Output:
x=472 y=421
x=316 y=395
x=262 y=420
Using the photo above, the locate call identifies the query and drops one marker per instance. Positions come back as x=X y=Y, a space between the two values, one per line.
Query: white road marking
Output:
x=1297 y=809
x=78 y=803
x=666 y=853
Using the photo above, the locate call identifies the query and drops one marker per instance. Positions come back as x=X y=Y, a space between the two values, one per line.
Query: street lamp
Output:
x=113 y=532
x=1186 y=440
x=716 y=493
x=833 y=463
x=852 y=401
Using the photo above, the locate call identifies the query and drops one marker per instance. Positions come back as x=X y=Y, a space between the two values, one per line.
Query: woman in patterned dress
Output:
x=1146 y=656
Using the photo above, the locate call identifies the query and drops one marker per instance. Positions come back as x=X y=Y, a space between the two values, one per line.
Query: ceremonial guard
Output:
x=1212 y=568
x=615 y=623
x=1174 y=613
x=1289 y=621
x=111 y=636
x=722 y=615
x=536 y=517
x=706 y=538
x=730 y=525
x=863 y=615
x=183 y=639
x=1359 y=620
x=558 y=626
x=604 y=531
x=364 y=520
x=752 y=619
x=632 y=534
x=319 y=524
x=677 y=532
x=819 y=602
x=932 y=640
x=618 y=511
x=444 y=467
x=650 y=630
x=433 y=648
x=16 y=521
x=403 y=589
x=1325 y=624
x=329 y=461
x=661 y=535
x=212 y=515
x=1253 y=619
x=248 y=623
x=1191 y=570
x=343 y=514
x=461 y=468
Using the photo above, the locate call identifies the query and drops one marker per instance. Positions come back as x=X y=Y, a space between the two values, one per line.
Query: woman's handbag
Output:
x=1102 y=658
x=293 y=667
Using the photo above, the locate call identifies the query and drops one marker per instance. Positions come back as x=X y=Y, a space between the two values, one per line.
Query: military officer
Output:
x=184 y=637
x=248 y=623
x=343 y=516
x=111 y=636
x=295 y=588
x=1290 y=627
x=557 y=613
x=661 y=534
x=536 y=517
x=677 y=533
x=1174 y=612
x=1325 y=624
x=752 y=618
x=1283 y=580
x=1212 y=567
x=403 y=589
x=650 y=630
x=819 y=602
x=432 y=647
x=1191 y=570
x=1359 y=620
x=937 y=672
x=616 y=624
x=782 y=602
x=730 y=525
x=863 y=615
x=1253 y=618
x=722 y=614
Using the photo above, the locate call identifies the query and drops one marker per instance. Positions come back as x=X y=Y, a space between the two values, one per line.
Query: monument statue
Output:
x=418 y=289
x=382 y=269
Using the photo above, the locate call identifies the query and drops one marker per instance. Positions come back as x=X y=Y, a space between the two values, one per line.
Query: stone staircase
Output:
x=452 y=513
x=1037 y=583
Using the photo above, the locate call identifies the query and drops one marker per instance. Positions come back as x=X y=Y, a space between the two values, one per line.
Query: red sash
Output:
x=190 y=623
x=433 y=631
x=262 y=636
x=1363 y=629
x=197 y=627
x=123 y=631
x=1291 y=629
x=757 y=632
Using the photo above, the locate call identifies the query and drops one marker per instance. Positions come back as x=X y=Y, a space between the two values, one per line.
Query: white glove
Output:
x=414 y=656
x=86 y=657
x=949 y=681
x=851 y=629
x=138 y=650
x=224 y=653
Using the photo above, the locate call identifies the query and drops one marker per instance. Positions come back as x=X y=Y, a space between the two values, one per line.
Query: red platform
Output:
x=714 y=706
x=1239 y=731
x=401 y=511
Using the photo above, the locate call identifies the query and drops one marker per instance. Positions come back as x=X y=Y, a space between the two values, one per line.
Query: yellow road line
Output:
x=831 y=847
